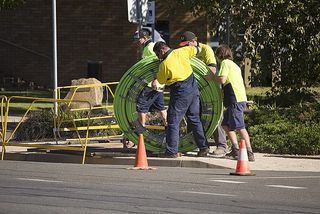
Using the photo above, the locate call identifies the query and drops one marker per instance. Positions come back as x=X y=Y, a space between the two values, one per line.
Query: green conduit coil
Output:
x=133 y=82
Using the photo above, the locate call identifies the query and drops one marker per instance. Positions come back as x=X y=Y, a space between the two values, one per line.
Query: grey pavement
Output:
x=114 y=154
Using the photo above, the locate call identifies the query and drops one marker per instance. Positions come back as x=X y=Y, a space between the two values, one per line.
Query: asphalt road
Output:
x=36 y=187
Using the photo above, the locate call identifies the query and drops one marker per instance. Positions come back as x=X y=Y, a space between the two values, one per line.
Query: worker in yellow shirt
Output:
x=234 y=101
x=149 y=100
x=176 y=72
x=144 y=40
x=207 y=56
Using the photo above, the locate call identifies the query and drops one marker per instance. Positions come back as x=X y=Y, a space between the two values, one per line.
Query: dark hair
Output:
x=187 y=36
x=158 y=46
x=224 y=52
x=145 y=33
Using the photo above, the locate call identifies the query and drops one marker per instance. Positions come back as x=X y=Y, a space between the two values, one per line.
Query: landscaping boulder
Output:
x=93 y=95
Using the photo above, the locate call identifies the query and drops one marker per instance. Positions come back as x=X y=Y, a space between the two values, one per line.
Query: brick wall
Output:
x=181 y=21
x=87 y=30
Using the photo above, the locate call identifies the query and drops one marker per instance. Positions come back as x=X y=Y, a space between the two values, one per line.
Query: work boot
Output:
x=220 y=152
x=166 y=155
x=127 y=144
x=251 y=156
x=203 y=152
x=234 y=154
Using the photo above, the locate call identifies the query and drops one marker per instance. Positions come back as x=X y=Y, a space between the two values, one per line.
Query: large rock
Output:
x=93 y=95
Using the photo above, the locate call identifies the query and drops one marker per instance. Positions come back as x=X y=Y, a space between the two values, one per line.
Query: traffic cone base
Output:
x=141 y=162
x=242 y=174
x=242 y=163
x=142 y=168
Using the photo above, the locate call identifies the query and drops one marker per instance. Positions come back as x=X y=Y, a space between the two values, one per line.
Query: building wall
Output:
x=180 y=20
x=95 y=30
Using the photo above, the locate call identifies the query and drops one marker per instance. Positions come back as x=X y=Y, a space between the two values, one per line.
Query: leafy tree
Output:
x=10 y=4
x=288 y=32
x=281 y=37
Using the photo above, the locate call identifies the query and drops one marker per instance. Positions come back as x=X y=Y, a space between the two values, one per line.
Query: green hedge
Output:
x=286 y=138
x=294 y=130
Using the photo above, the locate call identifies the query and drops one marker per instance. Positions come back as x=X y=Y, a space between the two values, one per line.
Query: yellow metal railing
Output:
x=66 y=120
x=5 y=109
x=3 y=121
x=93 y=119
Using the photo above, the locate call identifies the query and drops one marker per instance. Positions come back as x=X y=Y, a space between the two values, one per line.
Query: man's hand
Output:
x=209 y=77
x=155 y=84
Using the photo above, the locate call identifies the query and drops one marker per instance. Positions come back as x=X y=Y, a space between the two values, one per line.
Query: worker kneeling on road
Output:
x=176 y=72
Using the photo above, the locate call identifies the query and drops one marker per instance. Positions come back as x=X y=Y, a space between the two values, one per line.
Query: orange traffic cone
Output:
x=141 y=156
x=243 y=163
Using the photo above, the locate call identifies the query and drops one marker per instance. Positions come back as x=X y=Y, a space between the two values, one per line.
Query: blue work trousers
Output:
x=184 y=101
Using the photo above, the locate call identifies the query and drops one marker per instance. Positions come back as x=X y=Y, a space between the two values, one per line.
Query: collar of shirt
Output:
x=166 y=54
x=147 y=43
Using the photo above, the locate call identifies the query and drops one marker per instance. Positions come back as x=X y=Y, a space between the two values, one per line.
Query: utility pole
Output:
x=54 y=44
x=139 y=19
x=139 y=14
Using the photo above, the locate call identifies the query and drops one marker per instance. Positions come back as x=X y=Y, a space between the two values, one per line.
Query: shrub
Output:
x=39 y=125
x=294 y=130
x=286 y=138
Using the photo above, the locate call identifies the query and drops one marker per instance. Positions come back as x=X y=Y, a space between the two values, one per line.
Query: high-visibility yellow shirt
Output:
x=148 y=50
x=176 y=66
x=206 y=55
x=234 y=89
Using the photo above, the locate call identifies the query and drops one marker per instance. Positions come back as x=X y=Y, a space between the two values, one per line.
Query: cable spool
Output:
x=134 y=81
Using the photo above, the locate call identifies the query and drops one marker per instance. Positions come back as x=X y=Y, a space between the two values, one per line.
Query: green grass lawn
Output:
x=261 y=91
x=28 y=93
x=258 y=95
x=19 y=106
x=257 y=91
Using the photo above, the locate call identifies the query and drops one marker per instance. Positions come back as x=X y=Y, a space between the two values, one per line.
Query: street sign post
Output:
x=141 y=9
x=151 y=13
x=137 y=11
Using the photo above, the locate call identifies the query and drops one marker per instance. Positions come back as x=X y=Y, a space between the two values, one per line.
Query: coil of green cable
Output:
x=134 y=81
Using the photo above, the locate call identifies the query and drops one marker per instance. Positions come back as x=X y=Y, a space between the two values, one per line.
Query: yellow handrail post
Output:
x=87 y=135
x=4 y=125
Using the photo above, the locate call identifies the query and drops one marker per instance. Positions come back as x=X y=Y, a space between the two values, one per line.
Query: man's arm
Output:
x=212 y=74
x=221 y=79
x=221 y=76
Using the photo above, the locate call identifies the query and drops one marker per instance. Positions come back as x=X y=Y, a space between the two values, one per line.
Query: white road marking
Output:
x=230 y=182
x=292 y=177
x=287 y=187
x=208 y=193
x=39 y=180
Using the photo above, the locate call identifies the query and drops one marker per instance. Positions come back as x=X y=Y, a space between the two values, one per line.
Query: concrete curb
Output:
x=114 y=154
x=109 y=160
